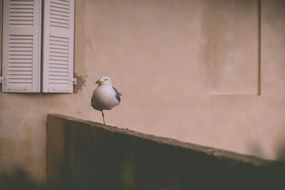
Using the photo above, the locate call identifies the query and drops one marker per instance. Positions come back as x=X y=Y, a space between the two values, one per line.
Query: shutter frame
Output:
x=58 y=46
x=21 y=46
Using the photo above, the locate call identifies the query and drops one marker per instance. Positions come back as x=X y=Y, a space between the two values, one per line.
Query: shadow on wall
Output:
x=18 y=180
x=255 y=149
x=281 y=150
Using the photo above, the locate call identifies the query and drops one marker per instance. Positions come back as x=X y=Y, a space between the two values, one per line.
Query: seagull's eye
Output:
x=105 y=79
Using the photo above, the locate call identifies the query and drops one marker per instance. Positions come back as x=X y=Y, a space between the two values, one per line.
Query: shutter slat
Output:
x=20 y=70
x=58 y=46
x=20 y=73
x=21 y=45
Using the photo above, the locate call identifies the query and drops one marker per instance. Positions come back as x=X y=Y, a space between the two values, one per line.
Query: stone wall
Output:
x=90 y=155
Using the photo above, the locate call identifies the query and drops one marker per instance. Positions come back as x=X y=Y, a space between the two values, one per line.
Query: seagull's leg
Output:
x=103 y=117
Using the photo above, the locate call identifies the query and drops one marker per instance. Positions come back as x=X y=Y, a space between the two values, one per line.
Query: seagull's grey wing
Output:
x=118 y=94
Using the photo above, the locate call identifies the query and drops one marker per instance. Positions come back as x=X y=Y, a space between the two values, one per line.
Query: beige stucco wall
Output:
x=183 y=74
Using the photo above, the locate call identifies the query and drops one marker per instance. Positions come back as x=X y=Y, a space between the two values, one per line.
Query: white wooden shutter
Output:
x=58 y=46
x=21 y=45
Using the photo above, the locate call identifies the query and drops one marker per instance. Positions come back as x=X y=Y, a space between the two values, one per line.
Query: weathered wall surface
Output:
x=189 y=70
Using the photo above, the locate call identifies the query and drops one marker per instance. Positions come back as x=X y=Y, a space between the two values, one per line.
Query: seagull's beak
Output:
x=98 y=82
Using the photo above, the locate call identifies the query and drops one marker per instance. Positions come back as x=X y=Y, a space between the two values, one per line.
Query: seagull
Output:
x=105 y=96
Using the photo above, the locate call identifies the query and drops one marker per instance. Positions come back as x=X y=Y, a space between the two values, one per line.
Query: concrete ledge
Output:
x=90 y=155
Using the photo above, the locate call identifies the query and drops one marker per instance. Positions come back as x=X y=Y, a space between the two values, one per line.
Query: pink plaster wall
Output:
x=187 y=69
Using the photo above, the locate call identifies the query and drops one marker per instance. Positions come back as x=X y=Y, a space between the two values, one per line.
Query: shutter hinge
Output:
x=74 y=80
x=1 y=79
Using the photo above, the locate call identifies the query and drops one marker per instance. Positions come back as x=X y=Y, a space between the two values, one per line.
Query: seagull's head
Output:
x=104 y=81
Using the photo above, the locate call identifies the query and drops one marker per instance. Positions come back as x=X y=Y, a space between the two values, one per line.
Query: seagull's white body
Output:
x=105 y=96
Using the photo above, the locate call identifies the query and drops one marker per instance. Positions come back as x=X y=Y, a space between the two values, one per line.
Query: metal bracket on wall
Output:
x=74 y=81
